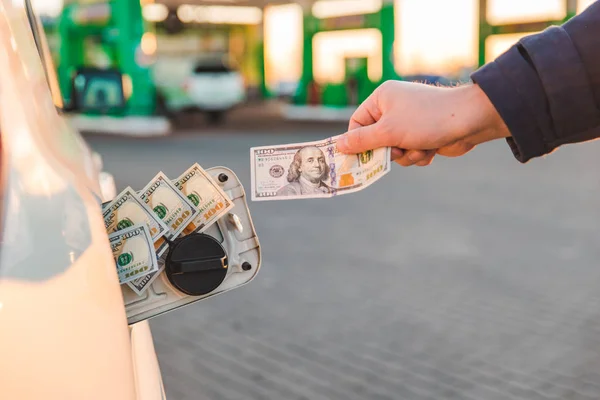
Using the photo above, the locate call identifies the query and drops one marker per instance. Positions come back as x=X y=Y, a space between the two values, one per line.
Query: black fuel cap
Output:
x=196 y=264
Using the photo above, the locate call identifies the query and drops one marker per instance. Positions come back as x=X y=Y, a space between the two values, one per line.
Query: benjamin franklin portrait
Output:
x=307 y=173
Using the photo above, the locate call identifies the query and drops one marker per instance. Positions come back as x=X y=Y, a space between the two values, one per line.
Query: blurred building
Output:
x=331 y=52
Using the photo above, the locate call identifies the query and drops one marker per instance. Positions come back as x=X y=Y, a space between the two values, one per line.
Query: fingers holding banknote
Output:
x=420 y=158
x=419 y=121
x=366 y=118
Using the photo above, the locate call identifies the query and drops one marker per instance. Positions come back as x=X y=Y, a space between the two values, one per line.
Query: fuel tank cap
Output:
x=196 y=264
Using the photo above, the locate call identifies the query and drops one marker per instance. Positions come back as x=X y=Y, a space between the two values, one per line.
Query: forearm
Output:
x=480 y=120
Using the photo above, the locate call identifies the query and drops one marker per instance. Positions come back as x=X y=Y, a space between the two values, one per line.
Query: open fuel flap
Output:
x=200 y=265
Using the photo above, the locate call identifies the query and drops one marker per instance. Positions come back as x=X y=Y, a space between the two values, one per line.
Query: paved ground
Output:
x=475 y=278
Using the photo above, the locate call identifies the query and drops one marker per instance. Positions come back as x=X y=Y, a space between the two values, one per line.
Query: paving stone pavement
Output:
x=475 y=278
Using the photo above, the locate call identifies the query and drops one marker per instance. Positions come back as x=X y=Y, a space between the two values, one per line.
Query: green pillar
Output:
x=310 y=26
x=127 y=16
x=262 y=74
x=485 y=30
x=71 y=53
x=388 y=36
x=260 y=67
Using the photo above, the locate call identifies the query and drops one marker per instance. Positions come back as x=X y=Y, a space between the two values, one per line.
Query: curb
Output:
x=122 y=126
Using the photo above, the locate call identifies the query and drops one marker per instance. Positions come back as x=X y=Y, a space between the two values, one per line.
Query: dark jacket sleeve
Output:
x=546 y=87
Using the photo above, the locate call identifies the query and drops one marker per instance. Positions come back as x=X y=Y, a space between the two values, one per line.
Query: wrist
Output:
x=482 y=122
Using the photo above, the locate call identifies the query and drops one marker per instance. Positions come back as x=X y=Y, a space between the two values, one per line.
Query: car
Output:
x=68 y=329
x=435 y=80
x=214 y=87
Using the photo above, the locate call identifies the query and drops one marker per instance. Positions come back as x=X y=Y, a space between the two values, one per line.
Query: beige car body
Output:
x=63 y=326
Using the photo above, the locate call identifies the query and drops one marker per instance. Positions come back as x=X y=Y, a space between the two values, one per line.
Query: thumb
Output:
x=362 y=139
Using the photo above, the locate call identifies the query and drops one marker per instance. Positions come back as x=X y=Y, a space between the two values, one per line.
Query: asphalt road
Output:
x=475 y=278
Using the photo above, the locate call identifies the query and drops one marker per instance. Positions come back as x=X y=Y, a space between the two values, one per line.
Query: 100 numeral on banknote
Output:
x=169 y=204
x=313 y=170
x=133 y=252
x=210 y=200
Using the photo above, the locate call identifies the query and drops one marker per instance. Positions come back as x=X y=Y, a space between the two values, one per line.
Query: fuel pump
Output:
x=357 y=85
x=118 y=30
x=357 y=80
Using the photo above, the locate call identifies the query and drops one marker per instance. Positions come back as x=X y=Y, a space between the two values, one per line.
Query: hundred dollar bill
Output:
x=126 y=210
x=210 y=200
x=313 y=170
x=133 y=251
x=169 y=204
x=139 y=285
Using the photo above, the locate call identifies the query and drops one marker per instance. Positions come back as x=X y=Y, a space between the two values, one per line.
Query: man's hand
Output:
x=419 y=121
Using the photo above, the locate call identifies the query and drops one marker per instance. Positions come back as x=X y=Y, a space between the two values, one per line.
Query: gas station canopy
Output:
x=245 y=3
x=244 y=12
x=250 y=11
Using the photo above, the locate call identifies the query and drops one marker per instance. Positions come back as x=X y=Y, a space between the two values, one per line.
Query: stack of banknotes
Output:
x=140 y=224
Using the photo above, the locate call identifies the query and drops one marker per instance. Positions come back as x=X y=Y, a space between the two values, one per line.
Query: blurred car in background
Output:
x=214 y=87
x=286 y=90
x=436 y=80
x=191 y=84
